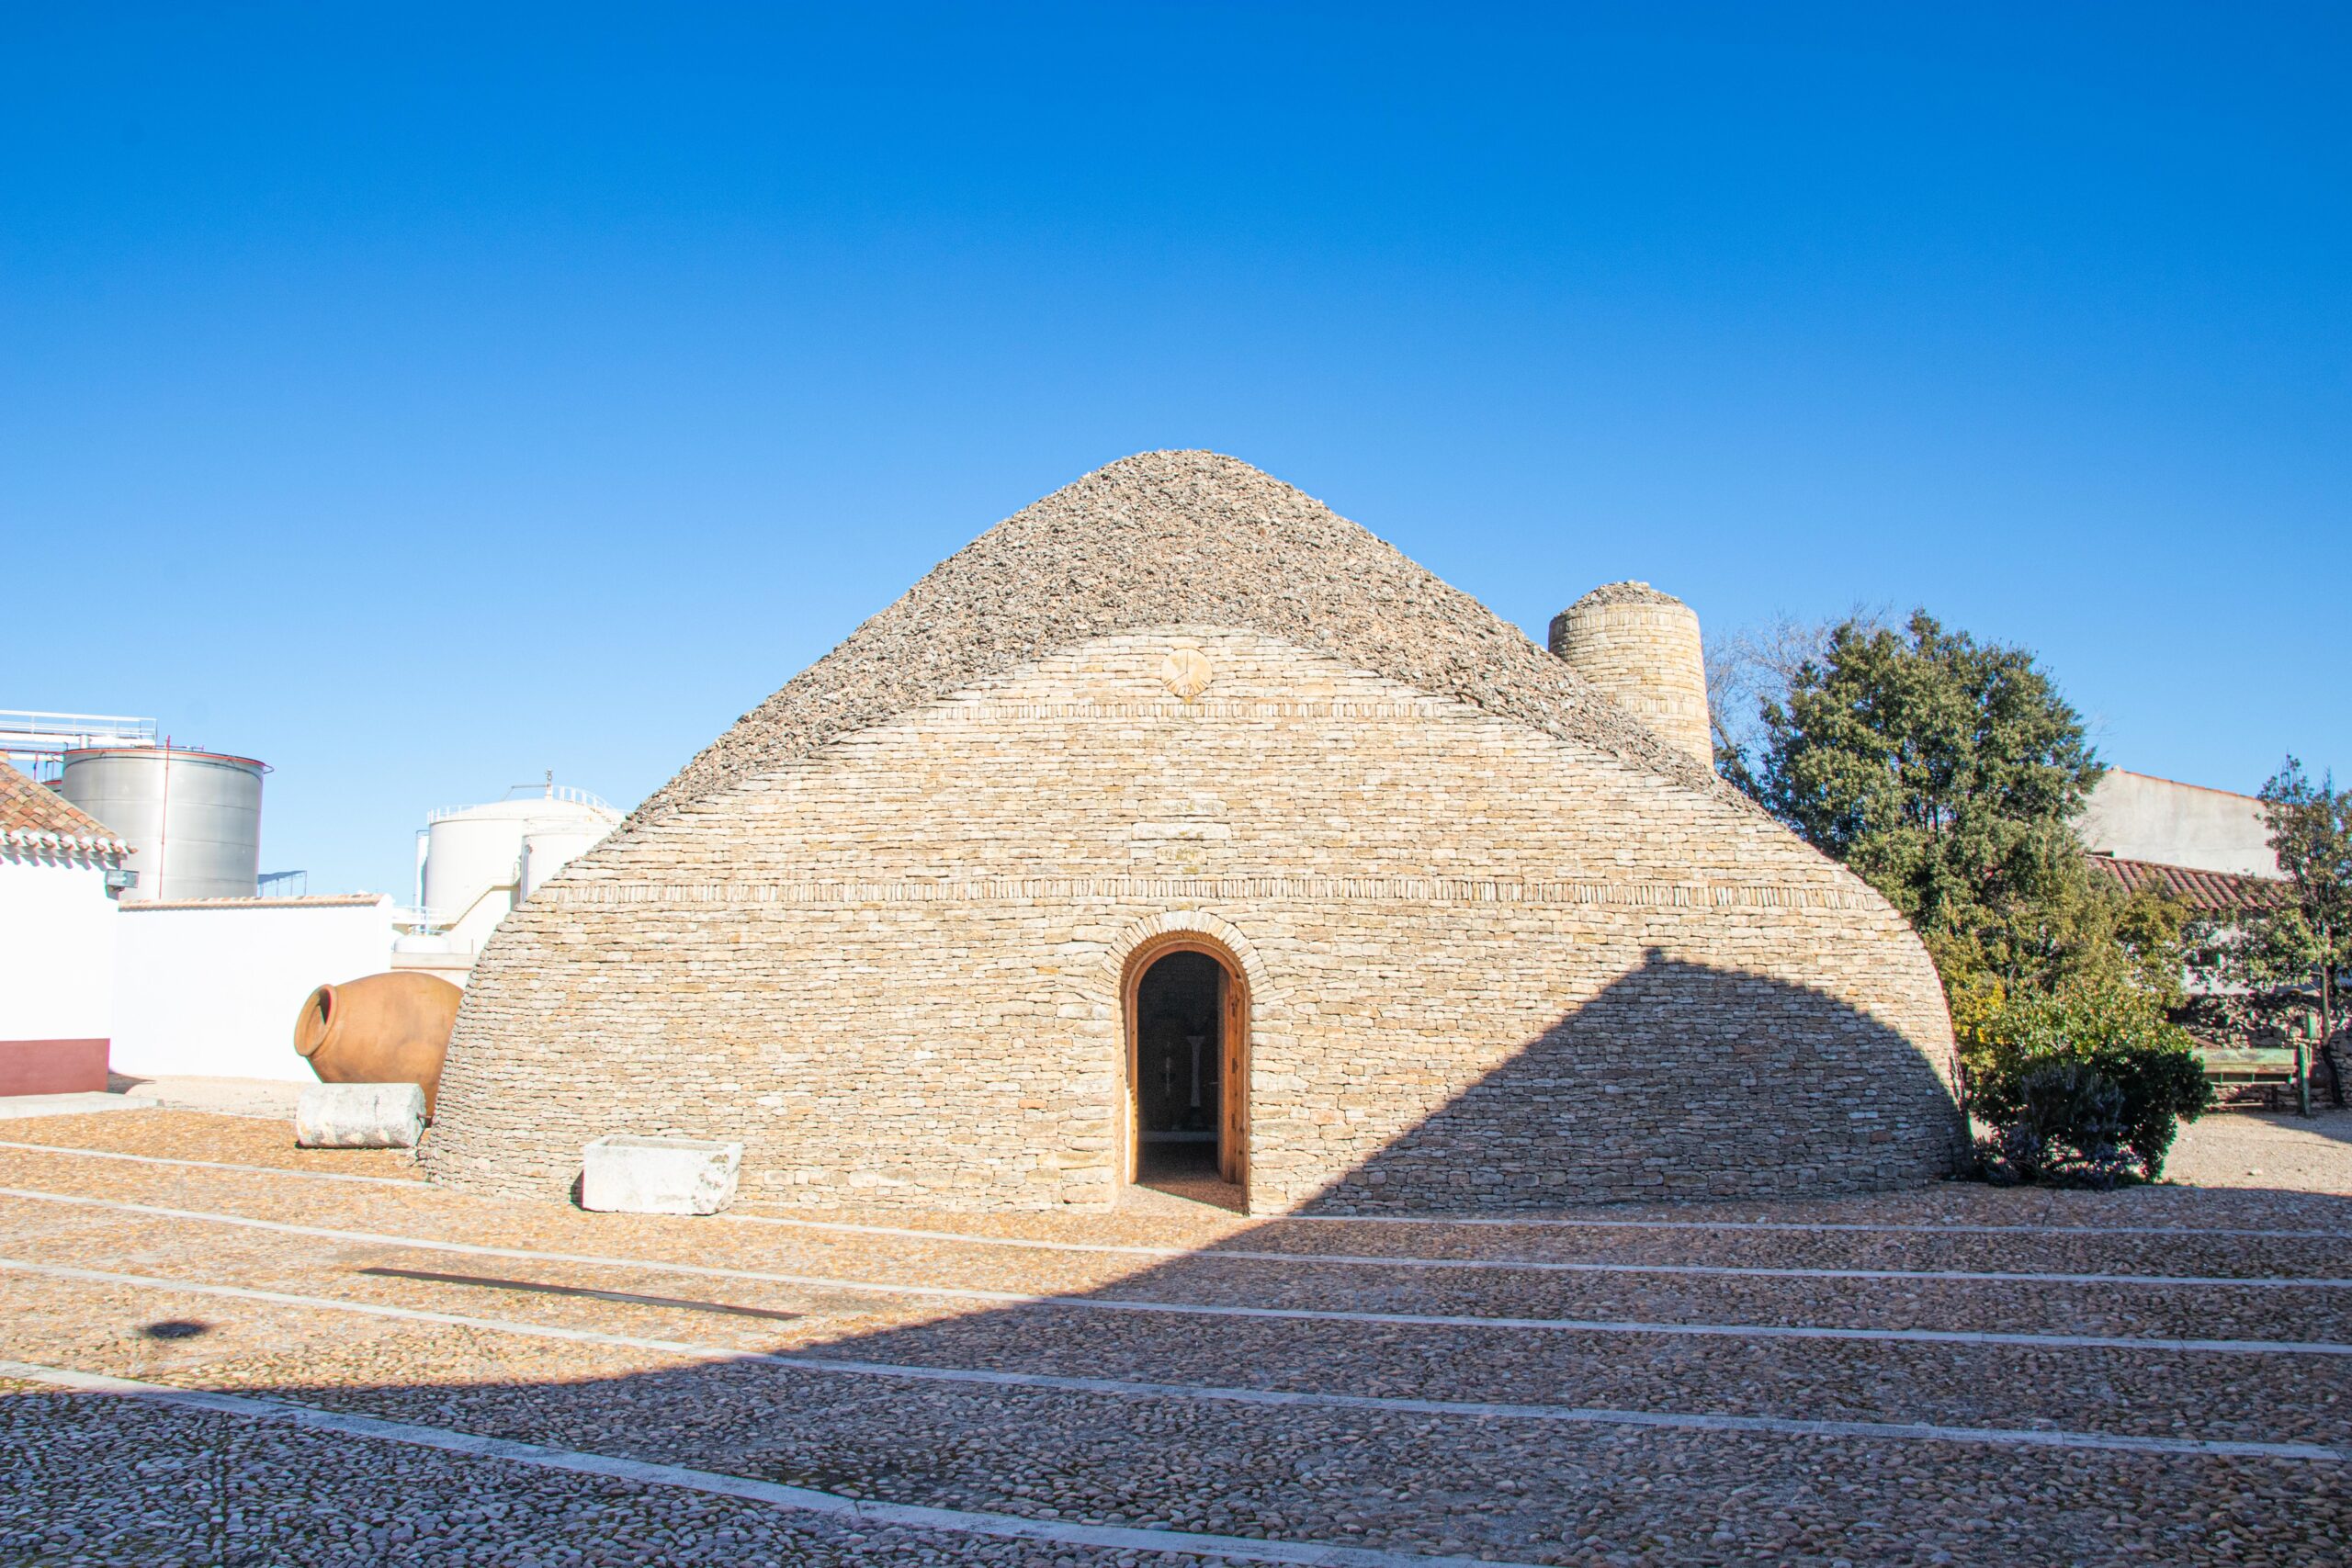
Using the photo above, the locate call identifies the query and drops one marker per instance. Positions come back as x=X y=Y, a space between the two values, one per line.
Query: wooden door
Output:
x=1233 y=1074
x=1131 y=1114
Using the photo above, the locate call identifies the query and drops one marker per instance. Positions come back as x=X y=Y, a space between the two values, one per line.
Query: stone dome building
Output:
x=1178 y=822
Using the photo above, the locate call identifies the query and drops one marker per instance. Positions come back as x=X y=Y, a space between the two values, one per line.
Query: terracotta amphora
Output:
x=379 y=1029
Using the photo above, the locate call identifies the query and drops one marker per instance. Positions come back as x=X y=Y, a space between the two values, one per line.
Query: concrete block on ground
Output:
x=624 y=1173
x=360 y=1116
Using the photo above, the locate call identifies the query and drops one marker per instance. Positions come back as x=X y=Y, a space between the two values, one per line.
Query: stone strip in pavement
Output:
x=1376 y=1261
x=1809 y=1227
x=1123 y=1388
x=1212 y=1253
x=803 y=1499
x=1197 y=1309
x=1804 y=1227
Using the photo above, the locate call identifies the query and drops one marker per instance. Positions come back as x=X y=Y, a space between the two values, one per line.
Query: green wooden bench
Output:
x=2251 y=1078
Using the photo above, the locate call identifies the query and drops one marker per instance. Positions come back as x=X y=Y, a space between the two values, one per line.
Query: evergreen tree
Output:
x=2309 y=938
x=1948 y=774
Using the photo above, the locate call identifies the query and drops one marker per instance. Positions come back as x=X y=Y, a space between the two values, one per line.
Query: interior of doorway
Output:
x=1185 y=1072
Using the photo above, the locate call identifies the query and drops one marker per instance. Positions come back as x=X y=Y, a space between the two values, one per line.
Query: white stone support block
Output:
x=360 y=1116
x=626 y=1174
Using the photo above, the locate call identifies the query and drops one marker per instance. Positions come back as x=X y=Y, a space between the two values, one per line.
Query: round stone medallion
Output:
x=1185 y=672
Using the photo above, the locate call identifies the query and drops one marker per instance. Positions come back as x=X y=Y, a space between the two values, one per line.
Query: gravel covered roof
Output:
x=1627 y=593
x=1169 y=539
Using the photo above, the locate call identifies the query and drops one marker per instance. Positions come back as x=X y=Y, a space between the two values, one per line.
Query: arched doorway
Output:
x=1188 y=1067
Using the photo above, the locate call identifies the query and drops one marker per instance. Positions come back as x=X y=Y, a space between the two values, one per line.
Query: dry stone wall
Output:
x=1487 y=965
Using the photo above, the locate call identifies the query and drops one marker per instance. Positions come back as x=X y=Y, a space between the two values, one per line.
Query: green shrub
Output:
x=2068 y=1130
x=2117 y=1032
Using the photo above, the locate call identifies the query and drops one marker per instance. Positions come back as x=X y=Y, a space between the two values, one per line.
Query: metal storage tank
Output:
x=480 y=860
x=472 y=861
x=547 y=850
x=193 y=817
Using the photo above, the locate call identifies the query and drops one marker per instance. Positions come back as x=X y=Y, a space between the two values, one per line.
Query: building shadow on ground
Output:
x=1677 y=1080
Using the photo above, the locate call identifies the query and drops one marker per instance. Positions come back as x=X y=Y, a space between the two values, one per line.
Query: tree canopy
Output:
x=1948 y=774
x=2308 y=940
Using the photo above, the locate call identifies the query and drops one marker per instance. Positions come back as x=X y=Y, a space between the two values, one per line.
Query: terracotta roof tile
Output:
x=2204 y=891
x=28 y=807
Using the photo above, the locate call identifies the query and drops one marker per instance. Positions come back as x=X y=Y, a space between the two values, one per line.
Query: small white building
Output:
x=2208 y=849
x=2138 y=817
x=60 y=873
x=97 y=983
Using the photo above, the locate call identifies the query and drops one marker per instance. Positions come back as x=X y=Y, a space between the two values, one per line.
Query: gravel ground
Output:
x=185 y=1135
x=267 y=1100
x=2132 y=1391
x=101 y=1479
x=2037 y=1224
x=35 y=1107
x=2244 y=1149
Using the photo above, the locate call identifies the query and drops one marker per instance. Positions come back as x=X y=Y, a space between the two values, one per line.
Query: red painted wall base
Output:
x=52 y=1066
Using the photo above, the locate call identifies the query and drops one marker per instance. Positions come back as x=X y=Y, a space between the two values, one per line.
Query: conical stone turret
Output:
x=1642 y=647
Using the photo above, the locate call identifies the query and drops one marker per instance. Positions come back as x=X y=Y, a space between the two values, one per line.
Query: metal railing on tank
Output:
x=35 y=742
x=548 y=790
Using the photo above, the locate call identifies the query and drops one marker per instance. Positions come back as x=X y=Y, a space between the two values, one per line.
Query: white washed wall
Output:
x=212 y=990
x=57 y=947
x=2138 y=817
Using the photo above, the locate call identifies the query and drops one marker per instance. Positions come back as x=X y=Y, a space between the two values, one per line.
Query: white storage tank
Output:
x=547 y=850
x=193 y=818
x=481 y=861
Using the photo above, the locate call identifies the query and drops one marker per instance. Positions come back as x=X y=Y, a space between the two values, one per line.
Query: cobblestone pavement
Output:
x=323 y=1361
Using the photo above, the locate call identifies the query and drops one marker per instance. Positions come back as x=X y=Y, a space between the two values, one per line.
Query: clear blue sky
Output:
x=421 y=399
